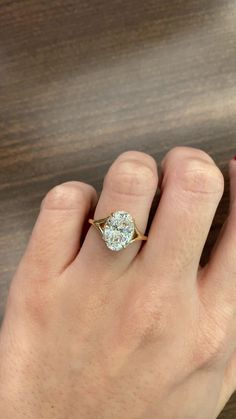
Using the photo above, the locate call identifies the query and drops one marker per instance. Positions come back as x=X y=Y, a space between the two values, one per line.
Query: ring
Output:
x=118 y=230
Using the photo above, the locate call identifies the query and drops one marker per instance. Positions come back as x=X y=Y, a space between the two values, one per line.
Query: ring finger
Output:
x=129 y=185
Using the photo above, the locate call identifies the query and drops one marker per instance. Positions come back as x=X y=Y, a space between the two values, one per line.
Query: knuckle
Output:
x=212 y=337
x=131 y=176
x=35 y=303
x=199 y=177
x=138 y=156
x=211 y=347
x=145 y=318
x=36 y=307
x=188 y=152
x=68 y=195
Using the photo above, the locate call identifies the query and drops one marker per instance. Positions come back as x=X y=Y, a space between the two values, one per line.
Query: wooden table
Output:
x=82 y=81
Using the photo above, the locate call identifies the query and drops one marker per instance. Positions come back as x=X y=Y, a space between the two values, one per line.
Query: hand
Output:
x=139 y=334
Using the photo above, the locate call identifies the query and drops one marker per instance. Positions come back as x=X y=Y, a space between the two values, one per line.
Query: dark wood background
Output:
x=81 y=81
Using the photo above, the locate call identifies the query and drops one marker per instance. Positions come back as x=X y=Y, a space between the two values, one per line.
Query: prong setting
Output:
x=118 y=230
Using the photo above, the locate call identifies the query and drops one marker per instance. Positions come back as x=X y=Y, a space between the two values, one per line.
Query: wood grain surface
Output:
x=82 y=81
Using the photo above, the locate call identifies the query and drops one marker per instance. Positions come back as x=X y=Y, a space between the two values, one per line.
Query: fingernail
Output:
x=234 y=157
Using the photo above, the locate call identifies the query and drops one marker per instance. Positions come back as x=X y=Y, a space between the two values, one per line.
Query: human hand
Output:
x=139 y=334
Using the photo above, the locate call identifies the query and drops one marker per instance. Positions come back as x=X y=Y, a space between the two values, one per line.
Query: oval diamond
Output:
x=119 y=230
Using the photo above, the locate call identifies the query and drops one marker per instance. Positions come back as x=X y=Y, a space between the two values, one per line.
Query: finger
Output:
x=129 y=185
x=191 y=190
x=221 y=269
x=55 y=239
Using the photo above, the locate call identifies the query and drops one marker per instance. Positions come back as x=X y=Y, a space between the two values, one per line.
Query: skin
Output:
x=140 y=334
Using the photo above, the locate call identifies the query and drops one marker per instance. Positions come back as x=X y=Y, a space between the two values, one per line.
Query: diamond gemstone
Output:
x=119 y=230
